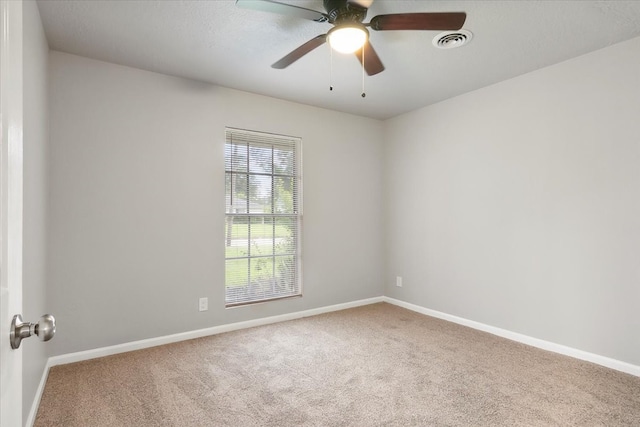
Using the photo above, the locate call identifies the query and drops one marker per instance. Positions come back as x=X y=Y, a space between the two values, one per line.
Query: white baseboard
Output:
x=168 y=339
x=31 y=418
x=525 y=339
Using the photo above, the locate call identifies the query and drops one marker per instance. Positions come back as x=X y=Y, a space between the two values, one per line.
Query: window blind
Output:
x=262 y=217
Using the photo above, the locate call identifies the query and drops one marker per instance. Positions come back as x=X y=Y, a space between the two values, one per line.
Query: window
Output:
x=263 y=217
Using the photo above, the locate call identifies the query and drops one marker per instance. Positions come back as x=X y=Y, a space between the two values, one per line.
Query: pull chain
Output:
x=363 y=94
x=330 y=68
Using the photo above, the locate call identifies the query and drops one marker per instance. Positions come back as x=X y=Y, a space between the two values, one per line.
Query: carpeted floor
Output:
x=377 y=365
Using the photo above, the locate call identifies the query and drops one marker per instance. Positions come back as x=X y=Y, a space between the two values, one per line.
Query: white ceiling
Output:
x=217 y=42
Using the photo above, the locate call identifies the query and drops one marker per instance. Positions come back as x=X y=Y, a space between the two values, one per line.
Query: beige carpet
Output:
x=377 y=365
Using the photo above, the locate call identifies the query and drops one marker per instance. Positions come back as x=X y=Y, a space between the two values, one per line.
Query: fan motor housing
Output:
x=343 y=11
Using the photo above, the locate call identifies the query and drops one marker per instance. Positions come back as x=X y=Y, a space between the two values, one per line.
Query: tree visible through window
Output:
x=262 y=226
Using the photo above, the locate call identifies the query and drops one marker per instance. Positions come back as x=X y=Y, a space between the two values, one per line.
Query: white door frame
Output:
x=10 y=207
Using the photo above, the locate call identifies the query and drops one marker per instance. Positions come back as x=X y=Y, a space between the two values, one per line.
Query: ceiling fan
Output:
x=349 y=34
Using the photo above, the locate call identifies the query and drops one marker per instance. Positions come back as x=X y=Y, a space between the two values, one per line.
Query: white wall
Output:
x=137 y=202
x=35 y=79
x=518 y=205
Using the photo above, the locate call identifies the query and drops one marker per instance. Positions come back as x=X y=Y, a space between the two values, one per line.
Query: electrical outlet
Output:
x=399 y=281
x=203 y=304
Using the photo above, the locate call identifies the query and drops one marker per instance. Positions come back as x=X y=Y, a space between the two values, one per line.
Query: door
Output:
x=10 y=207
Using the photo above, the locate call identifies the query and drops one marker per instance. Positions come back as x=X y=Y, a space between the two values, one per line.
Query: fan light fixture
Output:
x=348 y=38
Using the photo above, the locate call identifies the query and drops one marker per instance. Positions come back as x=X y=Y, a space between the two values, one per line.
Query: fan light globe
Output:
x=347 y=39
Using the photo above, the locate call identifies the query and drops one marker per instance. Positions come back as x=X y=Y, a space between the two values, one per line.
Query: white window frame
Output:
x=259 y=292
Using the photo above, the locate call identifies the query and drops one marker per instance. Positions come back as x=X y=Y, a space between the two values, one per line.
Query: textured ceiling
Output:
x=217 y=42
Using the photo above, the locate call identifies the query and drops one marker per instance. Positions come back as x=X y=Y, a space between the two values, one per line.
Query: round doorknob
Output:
x=45 y=329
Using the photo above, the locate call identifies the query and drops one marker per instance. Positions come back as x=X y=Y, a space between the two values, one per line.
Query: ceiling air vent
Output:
x=452 y=39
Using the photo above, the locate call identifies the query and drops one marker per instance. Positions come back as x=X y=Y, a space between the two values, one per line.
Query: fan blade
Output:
x=419 y=21
x=300 y=52
x=372 y=64
x=283 y=9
